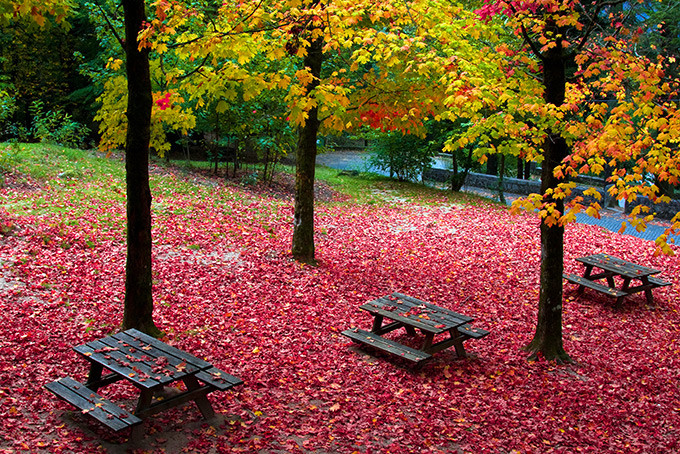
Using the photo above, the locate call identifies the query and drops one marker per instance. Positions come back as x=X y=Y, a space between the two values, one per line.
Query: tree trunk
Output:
x=138 y=310
x=303 y=223
x=492 y=165
x=547 y=341
x=501 y=177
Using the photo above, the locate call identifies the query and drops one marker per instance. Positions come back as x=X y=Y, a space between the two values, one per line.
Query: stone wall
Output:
x=660 y=210
x=518 y=186
x=510 y=185
x=523 y=187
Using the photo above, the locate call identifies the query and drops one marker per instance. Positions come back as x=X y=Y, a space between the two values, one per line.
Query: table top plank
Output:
x=617 y=265
x=416 y=313
x=142 y=359
x=440 y=311
x=183 y=361
x=119 y=362
x=154 y=359
x=165 y=348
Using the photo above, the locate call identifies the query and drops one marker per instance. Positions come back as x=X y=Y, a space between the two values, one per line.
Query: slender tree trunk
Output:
x=138 y=311
x=527 y=170
x=492 y=165
x=303 y=223
x=501 y=177
x=547 y=341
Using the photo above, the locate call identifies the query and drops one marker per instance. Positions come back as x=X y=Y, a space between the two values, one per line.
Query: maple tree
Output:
x=138 y=306
x=303 y=221
x=560 y=83
x=239 y=55
x=38 y=10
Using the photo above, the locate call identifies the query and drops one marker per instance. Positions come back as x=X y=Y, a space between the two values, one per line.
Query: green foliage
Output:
x=659 y=32
x=8 y=157
x=250 y=179
x=56 y=127
x=404 y=156
x=439 y=133
x=42 y=63
x=7 y=106
x=258 y=126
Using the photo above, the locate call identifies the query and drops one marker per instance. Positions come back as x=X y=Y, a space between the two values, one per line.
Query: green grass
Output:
x=367 y=187
x=67 y=169
x=64 y=175
x=51 y=162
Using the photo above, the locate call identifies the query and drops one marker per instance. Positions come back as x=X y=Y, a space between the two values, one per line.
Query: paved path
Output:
x=610 y=220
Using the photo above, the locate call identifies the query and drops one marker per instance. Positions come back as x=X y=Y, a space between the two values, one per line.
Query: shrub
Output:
x=404 y=156
x=56 y=127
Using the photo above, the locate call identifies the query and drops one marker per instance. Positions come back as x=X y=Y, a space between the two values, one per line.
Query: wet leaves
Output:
x=240 y=302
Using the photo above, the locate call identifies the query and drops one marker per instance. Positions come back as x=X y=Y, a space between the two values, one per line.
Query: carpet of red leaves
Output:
x=226 y=289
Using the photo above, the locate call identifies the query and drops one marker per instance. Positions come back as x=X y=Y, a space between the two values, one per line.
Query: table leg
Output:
x=202 y=401
x=143 y=404
x=611 y=283
x=94 y=377
x=458 y=343
x=624 y=287
x=137 y=433
x=377 y=323
x=626 y=284
x=648 y=290
x=586 y=274
x=427 y=343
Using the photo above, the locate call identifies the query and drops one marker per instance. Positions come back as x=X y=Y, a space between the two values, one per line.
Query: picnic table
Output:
x=634 y=278
x=411 y=314
x=149 y=365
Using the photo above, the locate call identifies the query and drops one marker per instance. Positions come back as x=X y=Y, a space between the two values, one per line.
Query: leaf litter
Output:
x=226 y=289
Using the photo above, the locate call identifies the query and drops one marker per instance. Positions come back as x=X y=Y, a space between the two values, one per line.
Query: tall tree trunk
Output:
x=492 y=165
x=501 y=178
x=303 y=223
x=547 y=341
x=138 y=310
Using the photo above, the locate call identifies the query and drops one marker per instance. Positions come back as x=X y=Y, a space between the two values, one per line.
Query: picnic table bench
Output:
x=612 y=267
x=411 y=314
x=149 y=365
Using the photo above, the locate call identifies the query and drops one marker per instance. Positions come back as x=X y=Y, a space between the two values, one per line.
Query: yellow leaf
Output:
x=447 y=374
x=221 y=107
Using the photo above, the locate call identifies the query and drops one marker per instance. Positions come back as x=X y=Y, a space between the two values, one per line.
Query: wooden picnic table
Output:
x=411 y=314
x=149 y=365
x=634 y=278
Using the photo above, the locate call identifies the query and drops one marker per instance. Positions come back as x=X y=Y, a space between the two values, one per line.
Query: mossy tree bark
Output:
x=138 y=306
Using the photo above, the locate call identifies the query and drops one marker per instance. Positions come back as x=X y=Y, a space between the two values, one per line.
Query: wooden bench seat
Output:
x=656 y=282
x=616 y=293
x=374 y=340
x=92 y=404
x=472 y=333
x=219 y=379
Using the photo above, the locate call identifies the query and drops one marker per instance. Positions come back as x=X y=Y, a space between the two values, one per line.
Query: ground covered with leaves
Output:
x=227 y=290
